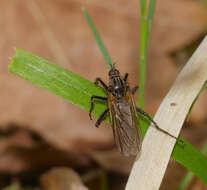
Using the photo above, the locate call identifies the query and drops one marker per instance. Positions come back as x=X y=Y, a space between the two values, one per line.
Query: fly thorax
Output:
x=117 y=87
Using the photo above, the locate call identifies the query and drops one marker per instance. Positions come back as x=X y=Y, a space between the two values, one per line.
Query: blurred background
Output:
x=47 y=143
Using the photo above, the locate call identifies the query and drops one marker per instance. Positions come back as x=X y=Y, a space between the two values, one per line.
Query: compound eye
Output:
x=116 y=72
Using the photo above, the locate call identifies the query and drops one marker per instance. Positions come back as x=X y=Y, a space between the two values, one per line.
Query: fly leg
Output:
x=102 y=117
x=99 y=80
x=155 y=124
x=125 y=77
x=92 y=103
x=134 y=89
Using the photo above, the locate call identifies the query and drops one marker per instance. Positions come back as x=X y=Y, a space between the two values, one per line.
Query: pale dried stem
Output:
x=149 y=169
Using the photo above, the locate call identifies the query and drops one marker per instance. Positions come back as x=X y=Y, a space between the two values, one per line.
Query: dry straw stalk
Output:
x=148 y=171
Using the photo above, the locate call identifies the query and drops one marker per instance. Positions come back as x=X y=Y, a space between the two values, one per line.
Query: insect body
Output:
x=123 y=113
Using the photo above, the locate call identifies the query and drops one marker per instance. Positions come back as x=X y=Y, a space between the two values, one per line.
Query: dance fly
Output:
x=123 y=113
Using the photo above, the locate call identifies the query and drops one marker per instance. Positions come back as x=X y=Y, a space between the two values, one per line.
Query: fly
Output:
x=123 y=113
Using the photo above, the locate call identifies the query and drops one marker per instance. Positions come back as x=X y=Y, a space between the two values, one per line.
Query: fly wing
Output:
x=125 y=125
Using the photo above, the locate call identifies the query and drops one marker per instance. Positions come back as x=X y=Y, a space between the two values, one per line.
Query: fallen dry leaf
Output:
x=58 y=31
x=112 y=160
x=62 y=179
x=27 y=152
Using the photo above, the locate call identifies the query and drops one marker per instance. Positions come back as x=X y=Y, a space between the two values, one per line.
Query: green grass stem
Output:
x=98 y=40
x=143 y=49
x=146 y=25
x=191 y=107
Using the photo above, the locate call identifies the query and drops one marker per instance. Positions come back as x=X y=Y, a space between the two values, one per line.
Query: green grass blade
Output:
x=189 y=176
x=98 y=40
x=204 y=150
x=57 y=80
x=191 y=158
x=78 y=90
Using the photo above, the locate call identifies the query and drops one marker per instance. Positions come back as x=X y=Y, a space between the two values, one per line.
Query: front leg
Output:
x=99 y=80
x=92 y=103
x=134 y=89
x=125 y=77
